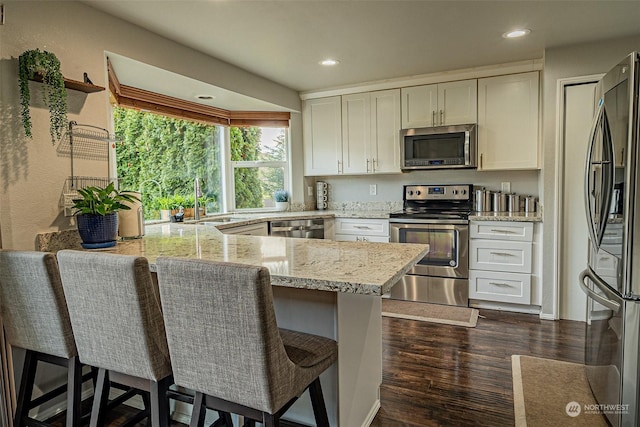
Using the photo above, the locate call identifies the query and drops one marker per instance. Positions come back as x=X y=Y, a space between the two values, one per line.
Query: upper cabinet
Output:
x=441 y=104
x=369 y=136
x=508 y=128
x=322 y=123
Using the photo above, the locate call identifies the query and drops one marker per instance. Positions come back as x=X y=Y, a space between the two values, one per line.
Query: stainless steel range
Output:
x=437 y=215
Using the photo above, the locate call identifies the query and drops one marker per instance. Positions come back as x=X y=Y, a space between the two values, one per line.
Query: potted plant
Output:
x=165 y=205
x=97 y=214
x=46 y=66
x=282 y=200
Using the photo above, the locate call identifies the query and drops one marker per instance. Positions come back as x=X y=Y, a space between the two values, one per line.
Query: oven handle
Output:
x=429 y=221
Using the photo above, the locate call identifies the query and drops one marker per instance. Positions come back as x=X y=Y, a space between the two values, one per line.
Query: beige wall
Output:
x=559 y=63
x=31 y=174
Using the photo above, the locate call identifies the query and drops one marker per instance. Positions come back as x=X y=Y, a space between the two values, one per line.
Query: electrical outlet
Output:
x=506 y=187
x=373 y=189
x=309 y=191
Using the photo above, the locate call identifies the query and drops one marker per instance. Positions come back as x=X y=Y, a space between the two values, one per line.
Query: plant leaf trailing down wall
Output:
x=36 y=63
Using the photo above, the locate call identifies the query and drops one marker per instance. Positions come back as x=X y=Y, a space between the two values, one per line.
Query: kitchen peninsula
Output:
x=323 y=287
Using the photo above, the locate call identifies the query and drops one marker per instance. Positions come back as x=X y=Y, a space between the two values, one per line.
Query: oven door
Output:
x=448 y=246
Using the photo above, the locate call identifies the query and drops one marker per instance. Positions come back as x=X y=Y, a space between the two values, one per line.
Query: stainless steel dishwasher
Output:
x=301 y=228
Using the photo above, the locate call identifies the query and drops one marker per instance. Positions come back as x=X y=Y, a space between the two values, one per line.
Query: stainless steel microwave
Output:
x=441 y=147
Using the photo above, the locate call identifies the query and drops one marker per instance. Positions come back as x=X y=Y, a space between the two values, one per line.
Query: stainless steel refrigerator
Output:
x=612 y=278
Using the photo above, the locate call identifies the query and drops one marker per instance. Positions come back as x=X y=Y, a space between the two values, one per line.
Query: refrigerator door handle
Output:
x=587 y=175
x=588 y=273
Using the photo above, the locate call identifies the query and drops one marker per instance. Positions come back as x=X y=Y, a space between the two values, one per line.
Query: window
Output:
x=161 y=156
x=259 y=164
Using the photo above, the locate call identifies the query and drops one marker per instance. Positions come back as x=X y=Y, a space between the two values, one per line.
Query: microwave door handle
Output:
x=587 y=176
x=467 y=154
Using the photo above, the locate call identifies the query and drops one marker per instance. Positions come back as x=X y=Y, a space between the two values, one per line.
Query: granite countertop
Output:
x=506 y=216
x=353 y=267
x=238 y=219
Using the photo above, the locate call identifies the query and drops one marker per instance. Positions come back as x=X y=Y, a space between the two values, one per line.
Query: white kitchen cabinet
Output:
x=441 y=104
x=322 y=128
x=384 y=149
x=361 y=230
x=259 y=229
x=354 y=134
x=371 y=132
x=508 y=128
x=501 y=261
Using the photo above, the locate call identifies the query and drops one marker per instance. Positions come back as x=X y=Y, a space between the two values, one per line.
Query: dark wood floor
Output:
x=440 y=375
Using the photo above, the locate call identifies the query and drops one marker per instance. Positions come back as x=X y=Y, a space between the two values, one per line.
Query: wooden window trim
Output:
x=140 y=99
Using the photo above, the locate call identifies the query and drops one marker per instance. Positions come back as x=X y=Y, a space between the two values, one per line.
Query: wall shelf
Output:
x=74 y=84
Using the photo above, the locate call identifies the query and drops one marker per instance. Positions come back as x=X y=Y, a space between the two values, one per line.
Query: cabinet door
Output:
x=356 y=133
x=419 y=105
x=322 y=136
x=457 y=103
x=508 y=122
x=384 y=150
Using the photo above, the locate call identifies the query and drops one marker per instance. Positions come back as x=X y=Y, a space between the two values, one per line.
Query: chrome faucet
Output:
x=198 y=193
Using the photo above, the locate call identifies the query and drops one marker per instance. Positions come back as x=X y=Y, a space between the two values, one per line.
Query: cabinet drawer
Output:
x=501 y=287
x=500 y=255
x=356 y=238
x=362 y=227
x=501 y=230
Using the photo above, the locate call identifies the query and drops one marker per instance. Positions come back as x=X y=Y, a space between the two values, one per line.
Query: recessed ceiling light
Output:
x=516 y=33
x=329 y=62
x=205 y=97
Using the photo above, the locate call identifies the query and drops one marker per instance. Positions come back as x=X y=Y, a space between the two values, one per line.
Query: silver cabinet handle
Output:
x=481 y=154
x=339 y=166
x=368 y=161
x=501 y=253
x=441 y=117
x=588 y=273
x=374 y=165
x=433 y=118
x=362 y=227
x=502 y=285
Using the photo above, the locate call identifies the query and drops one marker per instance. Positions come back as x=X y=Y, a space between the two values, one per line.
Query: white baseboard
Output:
x=503 y=306
x=372 y=414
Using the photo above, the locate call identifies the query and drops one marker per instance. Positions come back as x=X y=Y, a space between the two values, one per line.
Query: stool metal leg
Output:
x=160 y=402
x=26 y=386
x=199 y=411
x=317 y=401
x=74 y=392
x=100 y=399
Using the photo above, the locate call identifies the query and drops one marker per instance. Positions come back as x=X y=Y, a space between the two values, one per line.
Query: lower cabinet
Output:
x=361 y=230
x=501 y=261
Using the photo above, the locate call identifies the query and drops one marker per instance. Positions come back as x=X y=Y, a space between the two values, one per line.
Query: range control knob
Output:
x=463 y=192
x=410 y=192
x=417 y=192
x=455 y=192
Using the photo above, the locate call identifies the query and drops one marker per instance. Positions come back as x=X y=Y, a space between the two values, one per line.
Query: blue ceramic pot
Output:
x=98 y=230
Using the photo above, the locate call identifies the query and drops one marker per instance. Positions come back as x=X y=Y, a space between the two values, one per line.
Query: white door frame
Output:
x=559 y=174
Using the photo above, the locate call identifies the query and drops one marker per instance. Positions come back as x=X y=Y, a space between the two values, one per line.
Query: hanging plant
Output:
x=36 y=63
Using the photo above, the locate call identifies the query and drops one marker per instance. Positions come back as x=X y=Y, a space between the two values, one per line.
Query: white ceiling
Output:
x=374 y=40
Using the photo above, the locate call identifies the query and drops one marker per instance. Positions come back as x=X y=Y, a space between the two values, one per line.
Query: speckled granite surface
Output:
x=58 y=240
x=353 y=267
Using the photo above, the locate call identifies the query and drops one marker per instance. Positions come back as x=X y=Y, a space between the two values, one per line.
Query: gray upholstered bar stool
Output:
x=225 y=343
x=35 y=317
x=116 y=318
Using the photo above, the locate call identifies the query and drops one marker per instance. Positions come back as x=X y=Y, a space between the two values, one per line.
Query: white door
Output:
x=419 y=105
x=580 y=102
